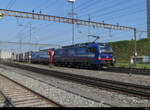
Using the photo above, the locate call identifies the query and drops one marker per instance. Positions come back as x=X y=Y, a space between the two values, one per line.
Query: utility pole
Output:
x=110 y=34
x=72 y=1
x=148 y=18
x=135 y=50
x=20 y=42
x=89 y=31
x=72 y=23
x=30 y=43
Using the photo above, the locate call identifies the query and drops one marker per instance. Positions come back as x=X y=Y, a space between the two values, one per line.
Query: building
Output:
x=6 y=55
x=141 y=60
x=148 y=18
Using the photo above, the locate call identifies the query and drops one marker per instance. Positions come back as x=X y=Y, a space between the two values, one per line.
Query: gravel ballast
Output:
x=123 y=77
x=60 y=96
x=103 y=97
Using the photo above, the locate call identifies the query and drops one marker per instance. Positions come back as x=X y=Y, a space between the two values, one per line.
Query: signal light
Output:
x=1 y=15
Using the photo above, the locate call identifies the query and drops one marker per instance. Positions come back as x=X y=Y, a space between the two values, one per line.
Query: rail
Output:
x=127 y=88
x=5 y=101
x=129 y=70
x=17 y=95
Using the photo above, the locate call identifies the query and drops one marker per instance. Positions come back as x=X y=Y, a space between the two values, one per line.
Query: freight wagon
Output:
x=44 y=56
x=41 y=57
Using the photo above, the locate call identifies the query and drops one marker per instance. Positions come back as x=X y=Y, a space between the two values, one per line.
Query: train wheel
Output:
x=96 y=67
x=55 y=64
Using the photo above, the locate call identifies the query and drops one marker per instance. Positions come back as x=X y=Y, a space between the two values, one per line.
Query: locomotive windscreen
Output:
x=106 y=49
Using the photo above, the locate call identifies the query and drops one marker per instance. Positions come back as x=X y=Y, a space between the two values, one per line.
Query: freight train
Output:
x=43 y=56
x=95 y=55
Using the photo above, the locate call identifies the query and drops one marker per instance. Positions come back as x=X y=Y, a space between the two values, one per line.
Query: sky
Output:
x=130 y=13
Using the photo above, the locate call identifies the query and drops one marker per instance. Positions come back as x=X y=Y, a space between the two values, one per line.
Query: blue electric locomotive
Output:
x=86 y=54
x=40 y=57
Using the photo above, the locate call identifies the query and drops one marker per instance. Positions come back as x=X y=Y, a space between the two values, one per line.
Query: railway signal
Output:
x=1 y=15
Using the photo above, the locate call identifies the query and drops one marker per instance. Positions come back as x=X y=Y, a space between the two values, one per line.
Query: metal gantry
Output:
x=29 y=15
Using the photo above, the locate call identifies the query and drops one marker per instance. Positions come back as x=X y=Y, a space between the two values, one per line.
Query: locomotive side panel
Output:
x=73 y=56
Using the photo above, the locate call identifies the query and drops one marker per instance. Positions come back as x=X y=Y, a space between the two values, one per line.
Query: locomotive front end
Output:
x=106 y=57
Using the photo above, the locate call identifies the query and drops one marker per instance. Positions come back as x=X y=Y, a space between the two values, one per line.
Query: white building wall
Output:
x=5 y=55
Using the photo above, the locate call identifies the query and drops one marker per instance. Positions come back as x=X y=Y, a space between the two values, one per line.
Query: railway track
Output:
x=129 y=70
x=4 y=101
x=126 y=88
x=13 y=94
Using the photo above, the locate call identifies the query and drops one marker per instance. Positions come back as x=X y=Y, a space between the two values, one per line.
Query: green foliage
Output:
x=123 y=50
x=127 y=65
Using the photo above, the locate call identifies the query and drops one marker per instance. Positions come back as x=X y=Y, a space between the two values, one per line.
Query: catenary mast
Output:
x=148 y=18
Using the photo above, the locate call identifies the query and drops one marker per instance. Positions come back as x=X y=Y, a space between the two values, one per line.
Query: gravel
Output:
x=123 y=77
x=72 y=92
x=58 y=95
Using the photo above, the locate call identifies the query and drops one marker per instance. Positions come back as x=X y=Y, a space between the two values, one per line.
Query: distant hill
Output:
x=123 y=50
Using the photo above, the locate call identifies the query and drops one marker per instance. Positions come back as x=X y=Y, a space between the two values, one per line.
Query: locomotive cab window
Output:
x=92 y=50
x=106 y=49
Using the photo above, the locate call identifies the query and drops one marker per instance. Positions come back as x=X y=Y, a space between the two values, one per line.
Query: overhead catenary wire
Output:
x=124 y=15
x=86 y=10
x=114 y=4
x=80 y=35
x=35 y=28
x=83 y=3
x=39 y=6
x=10 y=1
x=86 y=5
x=118 y=10
x=49 y=5
x=10 y=4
